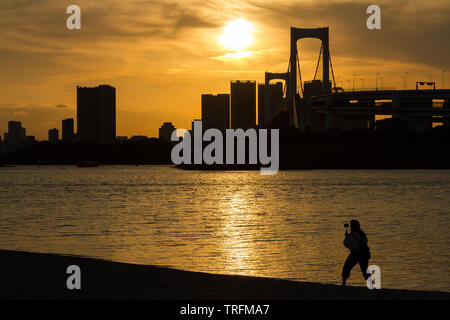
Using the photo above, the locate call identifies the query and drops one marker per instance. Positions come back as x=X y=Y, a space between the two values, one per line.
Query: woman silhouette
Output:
x=356 y=241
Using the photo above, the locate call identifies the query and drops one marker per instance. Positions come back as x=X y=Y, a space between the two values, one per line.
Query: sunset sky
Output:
x=162 y=55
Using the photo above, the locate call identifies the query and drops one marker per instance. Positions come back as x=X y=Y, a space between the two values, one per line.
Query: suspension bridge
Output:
x=320 y=104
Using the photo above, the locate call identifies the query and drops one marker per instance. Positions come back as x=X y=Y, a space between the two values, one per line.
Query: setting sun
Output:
x=237 y=35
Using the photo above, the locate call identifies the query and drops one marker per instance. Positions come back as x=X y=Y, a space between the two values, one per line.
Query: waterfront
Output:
x=289 y=225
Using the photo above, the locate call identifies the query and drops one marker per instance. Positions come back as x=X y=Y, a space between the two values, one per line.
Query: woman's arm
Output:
x=351 y=242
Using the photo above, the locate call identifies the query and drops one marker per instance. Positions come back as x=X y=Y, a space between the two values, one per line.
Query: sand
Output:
x=28 y=275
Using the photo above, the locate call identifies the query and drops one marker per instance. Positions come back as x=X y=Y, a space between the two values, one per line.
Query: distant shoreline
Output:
x=43 y=276
x=361 y=149
x=225 y=168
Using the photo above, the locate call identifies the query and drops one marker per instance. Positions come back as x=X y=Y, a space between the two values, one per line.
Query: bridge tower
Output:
x=297 y=34
x=278 y=76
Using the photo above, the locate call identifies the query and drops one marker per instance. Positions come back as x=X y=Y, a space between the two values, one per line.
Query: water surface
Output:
x=289 y=225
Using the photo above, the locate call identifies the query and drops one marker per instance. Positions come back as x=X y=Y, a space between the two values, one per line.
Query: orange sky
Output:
x=162 y=55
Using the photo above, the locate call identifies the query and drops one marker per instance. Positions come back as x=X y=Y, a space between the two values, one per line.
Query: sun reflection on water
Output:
x=236 y=242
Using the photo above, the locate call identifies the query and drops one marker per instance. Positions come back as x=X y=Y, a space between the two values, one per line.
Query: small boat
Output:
x=87 y=164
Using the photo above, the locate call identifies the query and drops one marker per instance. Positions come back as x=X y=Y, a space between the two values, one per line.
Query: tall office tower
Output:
x=16 y=134
x=67 y=130
x=96 y=114
x=269 y=96
x=243 y=104
x=216 y=111
x=53 y=135
x=165 y=132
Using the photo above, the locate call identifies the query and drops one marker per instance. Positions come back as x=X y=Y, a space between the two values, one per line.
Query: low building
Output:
x=165 y=132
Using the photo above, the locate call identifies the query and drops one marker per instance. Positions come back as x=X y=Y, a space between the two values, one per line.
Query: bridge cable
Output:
x=318 y=62
x=332 y=72
x=286 y=82
x=299 y=73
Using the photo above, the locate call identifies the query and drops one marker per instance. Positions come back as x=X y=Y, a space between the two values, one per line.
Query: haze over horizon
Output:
x=162 y=55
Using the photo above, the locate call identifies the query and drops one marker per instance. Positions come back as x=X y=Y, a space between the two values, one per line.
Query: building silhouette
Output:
x=216 y=111
x=15 y=138
x=165 y=132
x=68 y=130
x=138 y=138
x=243 y=104
x=121 y=139
x=53 y=135
x=96 y=114
x=269 y=96
x=30 y=140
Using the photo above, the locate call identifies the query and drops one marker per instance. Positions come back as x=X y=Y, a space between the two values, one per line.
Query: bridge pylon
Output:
x=302 y=33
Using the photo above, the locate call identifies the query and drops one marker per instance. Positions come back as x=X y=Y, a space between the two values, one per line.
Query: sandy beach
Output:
x=43 y=276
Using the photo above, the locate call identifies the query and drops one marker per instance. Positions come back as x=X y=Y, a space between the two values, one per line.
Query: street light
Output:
x=362 y=82
x=381 y=83
x=354 y=75
x=348 y=85
x=406 y=80
x=443 y=78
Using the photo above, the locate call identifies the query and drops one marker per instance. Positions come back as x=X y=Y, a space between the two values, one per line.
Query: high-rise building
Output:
x=96 y=114
x=243 y=104
x=216 y=111
x=165 y=132
x=16 y=134
x=269 y=96
x=67 y=130
x=53 y=135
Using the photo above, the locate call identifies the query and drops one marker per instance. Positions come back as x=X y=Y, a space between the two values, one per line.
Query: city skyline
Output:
x=171 y=53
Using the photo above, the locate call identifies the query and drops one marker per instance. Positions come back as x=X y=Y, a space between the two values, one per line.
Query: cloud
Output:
x=185 y=21
x=38 y=119
x=42 y=23
x=234 y=55
x=35 y=118
x=411 y=30
x=60 y=106
x=39 y=26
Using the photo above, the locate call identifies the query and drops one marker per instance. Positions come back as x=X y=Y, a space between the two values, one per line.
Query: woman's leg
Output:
x=351 y=261
x=363 y=264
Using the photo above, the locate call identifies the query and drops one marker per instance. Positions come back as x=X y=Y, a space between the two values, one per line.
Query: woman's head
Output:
x=354 y=225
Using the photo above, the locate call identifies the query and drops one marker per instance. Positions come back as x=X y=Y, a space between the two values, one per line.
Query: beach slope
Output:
x=43 y=276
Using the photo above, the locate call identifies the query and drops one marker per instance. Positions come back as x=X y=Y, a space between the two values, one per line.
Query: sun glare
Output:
x=237 y=35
